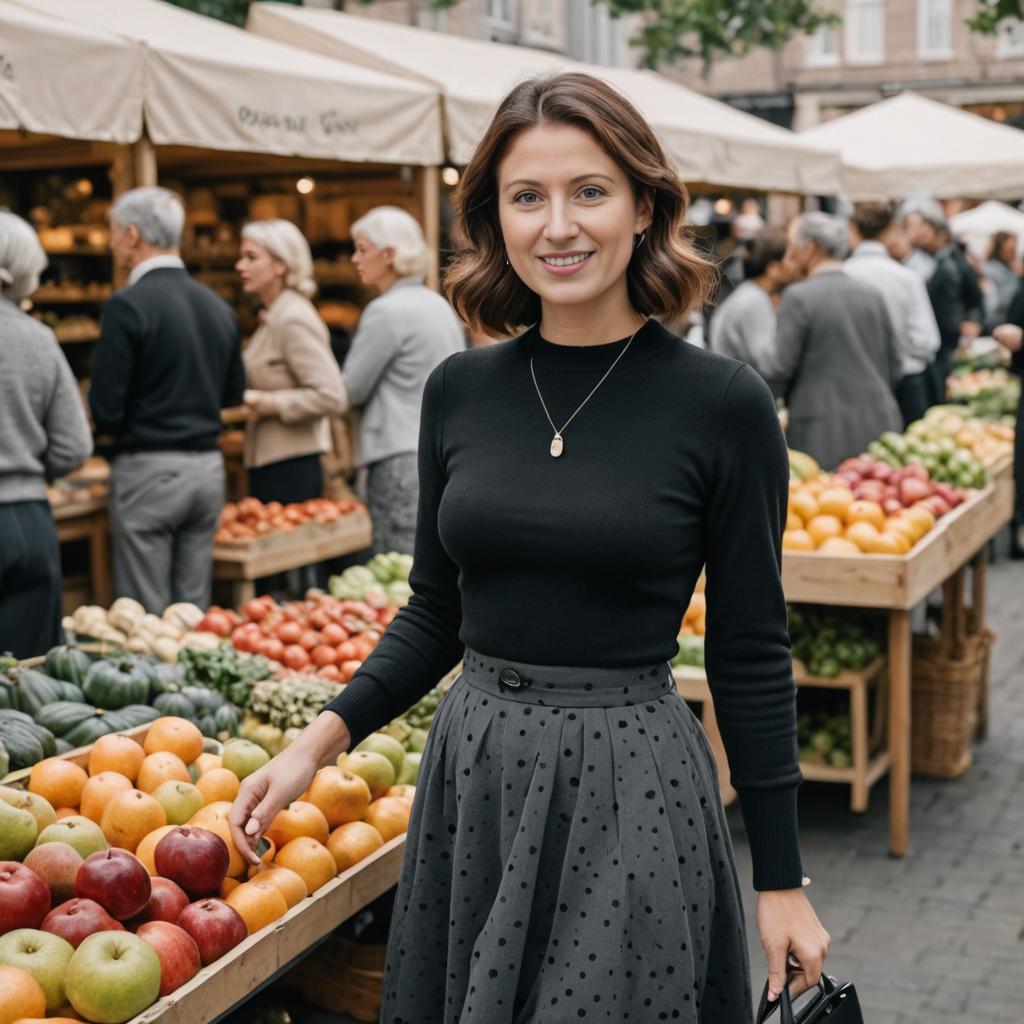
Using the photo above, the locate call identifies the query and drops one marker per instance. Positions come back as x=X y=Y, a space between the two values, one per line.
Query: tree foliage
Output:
x=232 y=11
x=992 y=14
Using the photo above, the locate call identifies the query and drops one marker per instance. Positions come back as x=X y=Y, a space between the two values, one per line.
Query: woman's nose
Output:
x=560 y=224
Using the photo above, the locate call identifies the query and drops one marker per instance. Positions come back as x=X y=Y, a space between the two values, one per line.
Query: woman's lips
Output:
x=580 y=260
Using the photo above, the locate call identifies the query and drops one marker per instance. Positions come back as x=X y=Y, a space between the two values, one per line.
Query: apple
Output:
x=112 y=977
x=195 y=858
x=38 y=806
x=57 y=865
x=18 y=831
x=881 y=471
x=913 y=490
x=77 y=919
x=177 y=950
x=117 y=880
x=243 y=757
x=890 y=506
x=166 y=902
x=80 y=833
x=43 y=955
x=24 y=897
x=180 y=800
x=215 y=926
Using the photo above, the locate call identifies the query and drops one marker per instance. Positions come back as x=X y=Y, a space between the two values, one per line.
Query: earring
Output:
x=637 y=242
x=507 y=264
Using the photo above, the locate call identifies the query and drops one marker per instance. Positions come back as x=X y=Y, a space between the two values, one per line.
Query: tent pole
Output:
x=430 y=204
x=144 y=158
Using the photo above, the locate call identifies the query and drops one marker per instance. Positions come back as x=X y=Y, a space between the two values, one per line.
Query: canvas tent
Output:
x=976 y=227
x=708 y=140
x=910 y=144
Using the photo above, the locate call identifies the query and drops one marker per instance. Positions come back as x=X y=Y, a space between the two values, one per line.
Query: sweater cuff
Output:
x=770 y=816
x=363 y=707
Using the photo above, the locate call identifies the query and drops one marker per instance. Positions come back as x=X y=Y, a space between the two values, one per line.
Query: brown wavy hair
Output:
x=667 y=277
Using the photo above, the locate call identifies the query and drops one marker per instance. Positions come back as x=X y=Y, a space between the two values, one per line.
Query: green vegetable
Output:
x=230 y=672
x=116 y=683
x=68 y=663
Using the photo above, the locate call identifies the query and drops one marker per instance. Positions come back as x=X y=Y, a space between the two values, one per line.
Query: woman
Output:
x=43 y=435
x=568 y=856
x=294 y=380
x=402 y=335
x=1001 y=272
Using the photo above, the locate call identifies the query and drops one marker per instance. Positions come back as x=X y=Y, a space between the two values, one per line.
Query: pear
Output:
x=38 y=806
x=18 y=831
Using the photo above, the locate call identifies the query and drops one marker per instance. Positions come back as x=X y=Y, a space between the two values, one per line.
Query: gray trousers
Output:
x=164 y=508
x=392 y=491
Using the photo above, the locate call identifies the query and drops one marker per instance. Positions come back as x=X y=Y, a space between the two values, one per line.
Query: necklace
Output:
x=558 y=442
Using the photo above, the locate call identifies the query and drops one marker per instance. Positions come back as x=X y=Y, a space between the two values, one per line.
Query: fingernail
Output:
x=252 y=827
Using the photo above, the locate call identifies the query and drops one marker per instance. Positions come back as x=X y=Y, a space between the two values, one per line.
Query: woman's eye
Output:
x=527 y=198
x=591 y=192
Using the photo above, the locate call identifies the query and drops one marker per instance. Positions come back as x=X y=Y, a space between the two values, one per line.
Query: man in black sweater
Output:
x=168 y=360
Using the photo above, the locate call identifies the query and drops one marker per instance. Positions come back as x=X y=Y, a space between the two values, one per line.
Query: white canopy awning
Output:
x=911 y=144
x=60 y=78
x=212 y=85
x=708 y=140
x=976 y=227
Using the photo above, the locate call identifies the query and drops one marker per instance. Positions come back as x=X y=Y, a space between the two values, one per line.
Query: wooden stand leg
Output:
x=710 y=723
x=99 y=561
x=979 y=587
x=244 y=590
x=899 y=731
x=859 y=737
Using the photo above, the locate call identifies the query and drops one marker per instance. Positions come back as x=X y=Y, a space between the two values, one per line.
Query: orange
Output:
x=176 y=736
x=65 y=812
x=227 y=885
x=98 y=791
x=162 y=766
x=389 y=816
x=299 y=818
x=797 y=540
x=289 y=884
x=146 y=850
x=61 y=782
x=116 y=753
x=218 y=784
x=866 y=512
x=919 y=514
x=900 y=524
x=341 y=795
x=258 y=904
x=404 y=790
x=839 y=546
x=211 y=812
x=888 y=544
x=310 y=860
x=129 y=817
x=803 y=504
x=793 y=521
x=835 y=501
x=822 y=527
x=207 y=762
x=351 y=843
x=20 y=995
x=862 y=534
x=903 y=542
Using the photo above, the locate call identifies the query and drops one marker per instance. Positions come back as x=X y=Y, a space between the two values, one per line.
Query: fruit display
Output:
x=113 y=905
x=987 y=440
x=383 y=581
x=227 y=670
x=691 y=652
x=927 y=443
x=823 y=736
x=802 y=466
x=989 y=394
x=128 y=625
x=828 y=640
x=244 y=521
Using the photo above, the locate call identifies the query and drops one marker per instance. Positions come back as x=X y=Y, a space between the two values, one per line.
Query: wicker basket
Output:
x=342 y=976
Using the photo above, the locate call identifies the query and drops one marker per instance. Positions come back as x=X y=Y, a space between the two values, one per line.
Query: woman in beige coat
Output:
x=294 y=380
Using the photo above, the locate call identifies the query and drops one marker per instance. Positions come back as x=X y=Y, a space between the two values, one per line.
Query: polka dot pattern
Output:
x=565 y=862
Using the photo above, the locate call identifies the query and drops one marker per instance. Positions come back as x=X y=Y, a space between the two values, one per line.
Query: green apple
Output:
x=243 y=758
x=44 y=956
x=380 y=743
x=38 y=806
x=18 y=831
x=112 y=977
x=79 y=833
x=180 y=800
x=375 y=768
x=410 y=770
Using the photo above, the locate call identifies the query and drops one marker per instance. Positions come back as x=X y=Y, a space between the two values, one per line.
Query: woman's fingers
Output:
x=246 y=827
x=776 y=970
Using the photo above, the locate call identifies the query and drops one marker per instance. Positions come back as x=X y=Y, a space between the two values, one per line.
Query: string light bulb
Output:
x=304 y=186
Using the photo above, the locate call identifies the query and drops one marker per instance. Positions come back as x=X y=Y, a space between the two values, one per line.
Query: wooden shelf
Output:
x=46 y=297
x=78 y=251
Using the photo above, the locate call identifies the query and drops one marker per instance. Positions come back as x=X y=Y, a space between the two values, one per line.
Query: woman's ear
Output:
x=644 y=213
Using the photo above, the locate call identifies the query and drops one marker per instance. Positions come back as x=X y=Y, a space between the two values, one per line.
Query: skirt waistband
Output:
x=566 y=686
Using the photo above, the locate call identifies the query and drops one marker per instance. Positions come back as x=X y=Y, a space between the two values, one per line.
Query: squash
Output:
x=62 y=716
x=88 y=731
x=5 y=760
x=176 y=704
x=183 y=616
x=63 y=746
x=168 y=678
x=70 y=692
x=204 y=698
x=226 y=719
x=125 y=614
x=131 y=717
x=116 y=683
x=207 y=726
x=166 y=649
x=8 y=695
x=34 y=690
x=23 y=746
x=68 y=663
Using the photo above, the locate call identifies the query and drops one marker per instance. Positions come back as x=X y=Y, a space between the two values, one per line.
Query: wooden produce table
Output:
x=896 y=584
x=88 y=520
x=244 y=562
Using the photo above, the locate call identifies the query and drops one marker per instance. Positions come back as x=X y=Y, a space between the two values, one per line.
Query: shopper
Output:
x=1011 y=336
x=43 y=435
x=294 y=382
x=168 y=360
x=906 y=299
x=1002 y=269
x=402 y=335
x=838 y=356
x=744 y=325
x=568 y=855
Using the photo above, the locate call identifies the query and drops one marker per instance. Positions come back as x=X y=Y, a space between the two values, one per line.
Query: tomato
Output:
x=331 y=672
x=233 y=617
x=350 y=607
x=295 y=657
x=289 y=632
x=271 y=648
x=386 y=616
x=318 y=618
x=309 y=639
x=257 y=609
x=323 y=654
x=214 y=622
x=363 y=647
x=333 y=634
x=245 y=639
x=347 y=651
x=373 y=635
x=349 y=669
x=293 y=612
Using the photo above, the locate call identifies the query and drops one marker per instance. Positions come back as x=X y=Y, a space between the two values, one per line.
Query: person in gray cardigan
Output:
x=836 y=352
x=43 y=435
x=402 y=335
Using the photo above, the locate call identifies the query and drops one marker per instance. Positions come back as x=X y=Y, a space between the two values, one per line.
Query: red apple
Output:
x=915 y=469
x=890 y=506
x=177 y=950
x=949 y=494
x=215 y=926
x=881 y=471
x=77 y=919
x=166 y=902
x=195 y=858
x=117 y=880
x=57 y=865
x=936 y=505
x=913 y=490
x=24 y=897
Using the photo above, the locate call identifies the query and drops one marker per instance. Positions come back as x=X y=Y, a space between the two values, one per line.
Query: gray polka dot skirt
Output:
x=567 y=858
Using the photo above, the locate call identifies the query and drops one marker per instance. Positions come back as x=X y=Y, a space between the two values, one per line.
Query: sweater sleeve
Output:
x=422 y=643
x=373 y=348
x=234 y=379
x=320 y=391
x=748 y=658
x=68 y=439
x=113 y=365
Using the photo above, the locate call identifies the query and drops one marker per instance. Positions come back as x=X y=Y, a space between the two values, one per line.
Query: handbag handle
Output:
x=826 y=986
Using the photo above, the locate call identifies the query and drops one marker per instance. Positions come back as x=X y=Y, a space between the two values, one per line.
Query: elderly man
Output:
x=836 y=352
x=168 y=360
x=906 y=298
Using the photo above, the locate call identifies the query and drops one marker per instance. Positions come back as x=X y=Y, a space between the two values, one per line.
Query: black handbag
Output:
x=834 y=1002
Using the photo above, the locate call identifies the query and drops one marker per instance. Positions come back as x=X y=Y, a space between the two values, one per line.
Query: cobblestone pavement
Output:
x=938 y=935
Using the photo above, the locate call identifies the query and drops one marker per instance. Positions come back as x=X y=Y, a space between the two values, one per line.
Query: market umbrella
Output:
x=211 y=85
x=709 y=141
x=976 y=227
x=911 y=144
x=73 y=81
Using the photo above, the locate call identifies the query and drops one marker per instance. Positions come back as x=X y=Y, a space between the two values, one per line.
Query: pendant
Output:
x=557 y=446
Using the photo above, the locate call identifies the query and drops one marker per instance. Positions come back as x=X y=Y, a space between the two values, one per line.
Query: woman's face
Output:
x=1008 y=250
x=258 y=268
x=568 y=214
x=373 y=264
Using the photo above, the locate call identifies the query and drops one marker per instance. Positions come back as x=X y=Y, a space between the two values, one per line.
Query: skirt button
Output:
x=509 y=677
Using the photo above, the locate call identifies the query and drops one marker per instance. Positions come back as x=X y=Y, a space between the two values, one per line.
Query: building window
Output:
x=935 y=28
x=1011 y=40
x=544 y=23
x=864 y=25
x=823 y=47
x=502 y=12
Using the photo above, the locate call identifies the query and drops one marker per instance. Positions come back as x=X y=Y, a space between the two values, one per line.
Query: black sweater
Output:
x=589 y=560
x=168 y=360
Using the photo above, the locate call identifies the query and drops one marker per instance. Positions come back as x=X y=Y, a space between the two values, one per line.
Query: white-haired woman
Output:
x=294 y=379
x=43 y=435
x=402 y=335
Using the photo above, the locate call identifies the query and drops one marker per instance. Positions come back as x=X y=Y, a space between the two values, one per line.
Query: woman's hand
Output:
x=787 y=923
x=283 y=779
x=1009 y=336
x=261 y=404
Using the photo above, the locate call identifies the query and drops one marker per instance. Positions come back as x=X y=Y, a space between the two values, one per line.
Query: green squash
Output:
x=34 y=690
x=205 y=698
x=70 y=692
x=23 y=746
x=8 y=695
x=175 y=704
x=63 y=746
x=116 y=683
x=88 y=731
x=5 y=761
x=68 y=663
x=168 y=678
x=131 y=717
x=63 y=715
x=227 y=719
x=207 y=726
